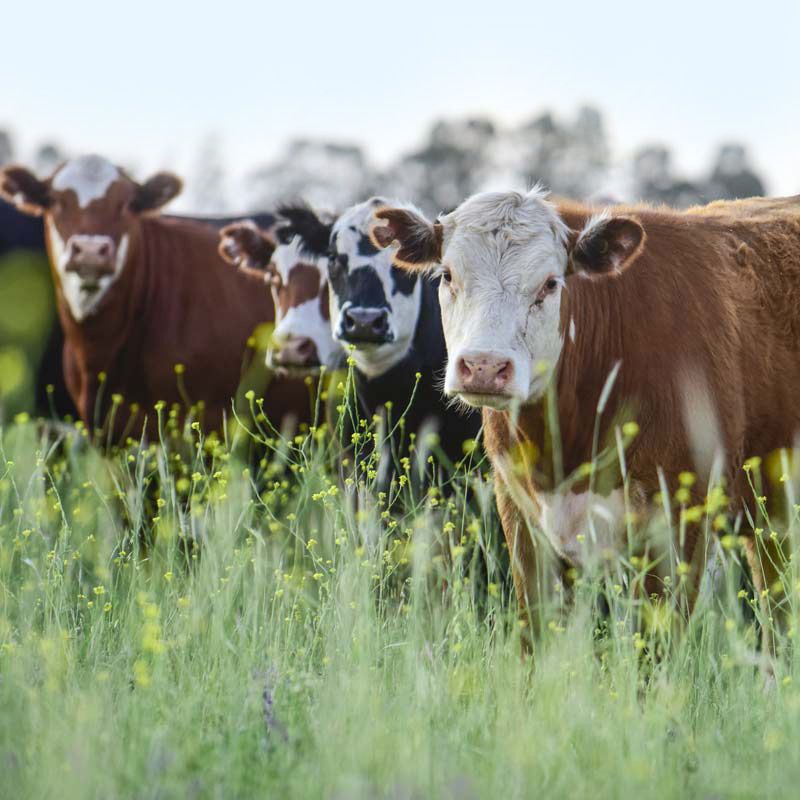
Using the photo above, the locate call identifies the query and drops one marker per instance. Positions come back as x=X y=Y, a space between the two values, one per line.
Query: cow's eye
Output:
x=447 y=276
x=548 y=287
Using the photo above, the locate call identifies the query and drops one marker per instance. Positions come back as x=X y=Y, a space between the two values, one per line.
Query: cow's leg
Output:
x=528 y=572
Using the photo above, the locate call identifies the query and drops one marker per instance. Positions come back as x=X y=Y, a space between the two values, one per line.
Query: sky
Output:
x=147 y=83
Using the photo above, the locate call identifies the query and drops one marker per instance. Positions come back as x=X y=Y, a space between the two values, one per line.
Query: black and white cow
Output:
x=391 y=321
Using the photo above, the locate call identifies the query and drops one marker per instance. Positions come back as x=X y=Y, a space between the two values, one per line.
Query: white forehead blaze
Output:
x=351 y=233
x=88 y=176
x=501 y=248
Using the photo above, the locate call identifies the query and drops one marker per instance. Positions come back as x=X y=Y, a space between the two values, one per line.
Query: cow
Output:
x=672 y=337
x=150 y=312
x=389 y=321
x=302 y=342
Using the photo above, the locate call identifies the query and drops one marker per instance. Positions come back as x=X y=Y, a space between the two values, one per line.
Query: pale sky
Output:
x=146 y=82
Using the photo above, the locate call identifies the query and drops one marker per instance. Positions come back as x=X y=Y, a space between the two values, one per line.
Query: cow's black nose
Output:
x=365 y=324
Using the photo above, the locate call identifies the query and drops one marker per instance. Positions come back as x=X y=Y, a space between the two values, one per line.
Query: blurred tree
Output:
x=655 y=182
x=328 y=175
x=47 y=157
x=207 y=190
x=450 y=165
x=732 y=176
x=571 y=159
x=6 y=147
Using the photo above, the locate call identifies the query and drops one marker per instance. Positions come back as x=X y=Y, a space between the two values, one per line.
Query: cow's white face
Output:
x=87 y=263
x=374 y=305
x=504 y=256
x=91 y=210
x=300 y=293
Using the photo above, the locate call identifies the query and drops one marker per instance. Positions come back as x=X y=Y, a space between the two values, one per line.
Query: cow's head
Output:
x=374 y=305
x=91 y=210
x=302 y=338
x=504 y=260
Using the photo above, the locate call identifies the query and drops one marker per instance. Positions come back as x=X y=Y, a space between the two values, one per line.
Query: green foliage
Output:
x=176 y=622
x=26 y=316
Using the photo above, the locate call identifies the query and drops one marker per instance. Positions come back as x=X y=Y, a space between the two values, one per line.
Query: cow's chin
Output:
x=374 y=360
x=287 y=369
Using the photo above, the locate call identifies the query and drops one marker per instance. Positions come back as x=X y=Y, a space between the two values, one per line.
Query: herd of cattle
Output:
x=670 y=340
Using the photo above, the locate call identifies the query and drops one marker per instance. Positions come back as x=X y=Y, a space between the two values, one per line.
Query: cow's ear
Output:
x=314 y=234
x=156 y=192
x=607 y=244
x=420 y=241
x=22 y=188
x=244 y=244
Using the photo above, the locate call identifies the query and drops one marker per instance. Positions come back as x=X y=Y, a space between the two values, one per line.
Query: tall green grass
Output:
x=196 y=621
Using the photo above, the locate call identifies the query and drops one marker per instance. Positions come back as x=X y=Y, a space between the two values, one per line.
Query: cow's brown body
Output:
x=709 y=312
x=176 y=303
x=151 y=313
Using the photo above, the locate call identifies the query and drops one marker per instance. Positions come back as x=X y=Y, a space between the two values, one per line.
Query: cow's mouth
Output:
x=366 y=341
x=295 y=358
x=496 y=400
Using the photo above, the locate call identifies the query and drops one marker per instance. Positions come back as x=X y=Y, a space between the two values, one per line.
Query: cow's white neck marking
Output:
x=80 y=302
x=88 y=176
x=583 y=526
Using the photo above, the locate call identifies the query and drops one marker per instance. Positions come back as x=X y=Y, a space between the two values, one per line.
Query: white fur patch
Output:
x=701 y=421
x=88 y=176
x=82 y=303
x=572 y=329
x=597 y=519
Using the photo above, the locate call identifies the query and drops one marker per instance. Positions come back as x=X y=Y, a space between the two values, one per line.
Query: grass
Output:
x=179 y=622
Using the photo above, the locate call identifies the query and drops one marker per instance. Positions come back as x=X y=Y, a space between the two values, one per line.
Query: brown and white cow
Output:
x=686 y=322
x=139 y=294
x=302 y=339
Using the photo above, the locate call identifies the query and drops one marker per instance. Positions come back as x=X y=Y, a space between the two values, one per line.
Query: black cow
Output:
x=390 y=319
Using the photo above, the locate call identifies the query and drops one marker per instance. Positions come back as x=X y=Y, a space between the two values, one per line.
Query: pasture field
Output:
x=189 y=621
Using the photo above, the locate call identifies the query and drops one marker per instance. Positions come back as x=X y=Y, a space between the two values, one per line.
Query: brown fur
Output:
x=175 y=302
x=690 y=305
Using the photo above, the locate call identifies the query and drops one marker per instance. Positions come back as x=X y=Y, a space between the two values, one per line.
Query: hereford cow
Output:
x=302 y=342
x=686 y=322
x=150 y=311
x=390 y=321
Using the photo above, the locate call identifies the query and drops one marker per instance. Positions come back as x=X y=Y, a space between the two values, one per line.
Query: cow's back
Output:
x=705 y=326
